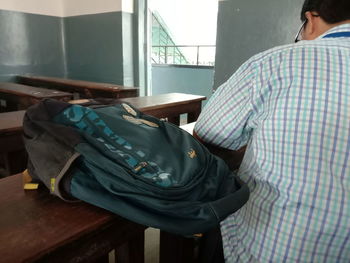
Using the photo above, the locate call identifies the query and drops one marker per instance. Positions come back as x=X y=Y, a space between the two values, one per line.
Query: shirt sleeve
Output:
x=224 y=120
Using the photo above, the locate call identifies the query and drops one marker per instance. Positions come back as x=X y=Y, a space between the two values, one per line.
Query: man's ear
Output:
x=310 y=25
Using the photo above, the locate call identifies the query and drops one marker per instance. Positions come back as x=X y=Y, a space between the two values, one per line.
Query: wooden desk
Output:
x=38 y=227
x=82 y=89
x=170 y=105
x=11 y=122
x=20 y=97
x=12 y=154
x=166 y=105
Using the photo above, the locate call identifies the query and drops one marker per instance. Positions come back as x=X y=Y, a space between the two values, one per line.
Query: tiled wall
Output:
x=30 y=43
x=99 y=47
x=83 y=39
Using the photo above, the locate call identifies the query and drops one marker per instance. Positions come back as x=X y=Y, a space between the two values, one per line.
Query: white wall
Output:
x=84 y=7
x=42 y=7
x=64 y=8
x=128 y=6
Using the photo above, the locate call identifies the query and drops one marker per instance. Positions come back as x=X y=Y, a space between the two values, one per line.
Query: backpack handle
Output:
x=231 y=203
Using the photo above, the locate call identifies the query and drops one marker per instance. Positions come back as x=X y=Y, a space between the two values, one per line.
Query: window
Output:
x=184 y=32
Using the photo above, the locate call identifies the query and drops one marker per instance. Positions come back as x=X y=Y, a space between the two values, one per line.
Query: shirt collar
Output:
x=340 y=28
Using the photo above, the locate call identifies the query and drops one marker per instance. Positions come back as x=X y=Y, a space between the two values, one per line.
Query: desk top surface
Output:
x=163 y=100
x=75 y=83
x=29 y=91
x=12 y=121
x=33 y=223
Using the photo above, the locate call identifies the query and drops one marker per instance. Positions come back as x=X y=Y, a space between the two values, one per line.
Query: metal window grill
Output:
x=165 y=51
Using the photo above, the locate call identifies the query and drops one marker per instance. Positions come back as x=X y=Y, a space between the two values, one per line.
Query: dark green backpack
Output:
x=137 y=166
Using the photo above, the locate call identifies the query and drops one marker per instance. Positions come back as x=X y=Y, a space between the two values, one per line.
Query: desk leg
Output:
x=175 y=120
x=193 y=115
x=104 y=259
x=132 y=251
x=17 y=161
x=176 y=249
x=4 y=162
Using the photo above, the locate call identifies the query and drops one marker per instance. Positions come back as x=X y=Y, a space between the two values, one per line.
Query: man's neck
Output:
x=330 y=26
x=324 y=27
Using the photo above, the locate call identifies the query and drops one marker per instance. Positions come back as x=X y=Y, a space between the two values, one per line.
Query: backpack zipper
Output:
x=140 y=166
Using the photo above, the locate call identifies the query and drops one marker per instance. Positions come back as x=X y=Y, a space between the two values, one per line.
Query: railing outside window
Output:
x=198 y=55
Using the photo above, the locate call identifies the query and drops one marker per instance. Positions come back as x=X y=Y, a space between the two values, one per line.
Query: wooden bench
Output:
x=20 y=97
x=36 y=226
x=81 y=89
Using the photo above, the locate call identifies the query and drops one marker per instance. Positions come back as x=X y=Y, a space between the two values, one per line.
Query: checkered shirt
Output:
x=291 y=106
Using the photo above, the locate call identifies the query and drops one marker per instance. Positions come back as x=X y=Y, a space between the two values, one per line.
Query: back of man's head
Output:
x=331 y=11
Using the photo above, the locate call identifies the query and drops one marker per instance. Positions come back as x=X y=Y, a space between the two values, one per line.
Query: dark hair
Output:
x=331 y=11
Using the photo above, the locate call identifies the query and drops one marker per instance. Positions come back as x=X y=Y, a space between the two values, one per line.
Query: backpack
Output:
x=137 y=166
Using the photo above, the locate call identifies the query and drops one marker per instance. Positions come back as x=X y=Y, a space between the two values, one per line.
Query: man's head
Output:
x=321 y=15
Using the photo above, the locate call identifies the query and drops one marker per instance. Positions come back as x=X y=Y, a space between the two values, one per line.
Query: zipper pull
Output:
x=140 y=166
x=129 y=109
x=149 y=123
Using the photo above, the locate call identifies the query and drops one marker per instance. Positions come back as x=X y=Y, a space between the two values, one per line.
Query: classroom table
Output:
x=81 y=88
x=12 y=154
x=36 y=226
x=170 y=106
x=173 y=248
x=20 y=97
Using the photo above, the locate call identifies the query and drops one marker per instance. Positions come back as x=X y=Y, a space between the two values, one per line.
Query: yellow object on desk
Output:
x=27 y=182
x=31 y=186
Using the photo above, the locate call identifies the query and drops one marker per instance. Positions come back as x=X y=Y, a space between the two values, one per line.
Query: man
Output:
x=291 y=106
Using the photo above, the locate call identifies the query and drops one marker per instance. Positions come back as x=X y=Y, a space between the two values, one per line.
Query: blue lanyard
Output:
x=338 y=34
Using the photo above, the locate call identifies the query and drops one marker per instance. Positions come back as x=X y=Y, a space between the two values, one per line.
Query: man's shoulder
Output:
x=280 y=52
x=277 y=52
